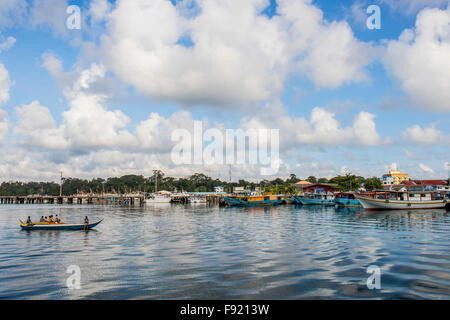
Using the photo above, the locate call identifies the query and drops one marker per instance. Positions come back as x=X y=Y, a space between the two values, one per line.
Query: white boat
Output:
x=158 y=198
x=197 y=199
x=404 y=200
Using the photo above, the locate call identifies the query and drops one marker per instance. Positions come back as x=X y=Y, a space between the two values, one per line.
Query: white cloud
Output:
x=426 y=169
x=5 y=84
x=3 y=125
x=7 y=43
x=36 y=127
x=12 y=12
x=325 y=129
x=88 y=125
x=50 y=13
x=99 y=10
x=419 y=60
x=336 y=57
x=430 y=135
x=238 y=53
x=412 y=6
x=322 y=129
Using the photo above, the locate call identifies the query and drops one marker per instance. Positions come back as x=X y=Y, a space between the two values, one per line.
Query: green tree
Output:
x=349 y=182
x=373 y=184
x=312 y=179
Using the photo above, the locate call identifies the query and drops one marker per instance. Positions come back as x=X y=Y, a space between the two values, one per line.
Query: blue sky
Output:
x=103 y=100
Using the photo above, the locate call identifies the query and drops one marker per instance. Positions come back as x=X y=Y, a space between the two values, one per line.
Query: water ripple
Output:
x=203 y=252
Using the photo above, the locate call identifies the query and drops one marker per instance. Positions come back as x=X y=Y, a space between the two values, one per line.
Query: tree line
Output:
x=197 y=182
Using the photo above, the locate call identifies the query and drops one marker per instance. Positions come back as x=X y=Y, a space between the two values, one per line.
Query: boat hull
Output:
x=158 y=200
x=382 y=204
x=55 y=226
x=242 y=203
x=308 y=201
x=347 y=202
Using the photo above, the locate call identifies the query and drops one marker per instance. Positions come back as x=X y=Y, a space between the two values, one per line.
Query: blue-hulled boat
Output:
x=347 y=199
x=326 y=199
x=55 y=226
x=252 y=201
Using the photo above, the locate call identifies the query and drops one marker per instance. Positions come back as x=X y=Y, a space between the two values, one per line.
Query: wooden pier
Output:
x=118 y=199
x=131 y=200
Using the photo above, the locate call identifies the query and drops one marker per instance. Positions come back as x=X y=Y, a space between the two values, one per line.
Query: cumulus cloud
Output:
x=322 y=128
x=5 y=84
x=50 y=13
x=88 y=124
x=3 y=125
x=419 y=60
x=99 y=10
x=430 y=135
x=234 y=53
x=426 y=169
x=37 y=127
x=12 y=12
x=7 y=43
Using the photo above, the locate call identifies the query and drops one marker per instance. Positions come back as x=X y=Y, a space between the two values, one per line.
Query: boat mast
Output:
x=155 y=172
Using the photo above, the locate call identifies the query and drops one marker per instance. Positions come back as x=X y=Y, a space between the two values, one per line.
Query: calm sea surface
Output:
x=207 y=252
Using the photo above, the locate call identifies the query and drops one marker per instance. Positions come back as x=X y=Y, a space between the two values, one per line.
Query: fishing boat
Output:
x=318 y=198
x=249 y=201
x=197 y=199
x=404 y=200
x=160 y=197
x=289 y=200
x=55 y=226
x=346 y=199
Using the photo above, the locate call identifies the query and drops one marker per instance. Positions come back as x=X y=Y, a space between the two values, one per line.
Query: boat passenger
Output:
x=42 y=219
x=57 y=220
x=50 y=219
x=29 y=220
x=45 y=219
x=86 y=223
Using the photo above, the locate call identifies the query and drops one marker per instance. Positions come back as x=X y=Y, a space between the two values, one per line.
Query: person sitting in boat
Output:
x=86 y=223
x=50 y=219
x=29 y=220
x=42 y=219
x=57 y=220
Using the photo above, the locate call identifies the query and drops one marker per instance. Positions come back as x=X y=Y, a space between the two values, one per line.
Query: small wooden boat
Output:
x=55 y=226
x=325 y=199
x=251 y=201
x=346 y=199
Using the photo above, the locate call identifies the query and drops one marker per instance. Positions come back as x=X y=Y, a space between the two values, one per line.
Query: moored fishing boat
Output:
x=404 y=200
x=197 y=199
x=258 y=200
x=346 y=199
x=56 y=226
x=158 y=198
x=326 y=199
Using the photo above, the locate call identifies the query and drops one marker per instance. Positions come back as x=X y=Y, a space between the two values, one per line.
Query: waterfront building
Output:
x=218 y=189
x=319 y=188
x=394 y=177
x=301 y=184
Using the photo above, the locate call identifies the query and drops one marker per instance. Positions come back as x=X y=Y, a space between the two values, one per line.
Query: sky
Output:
x=104 y=98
